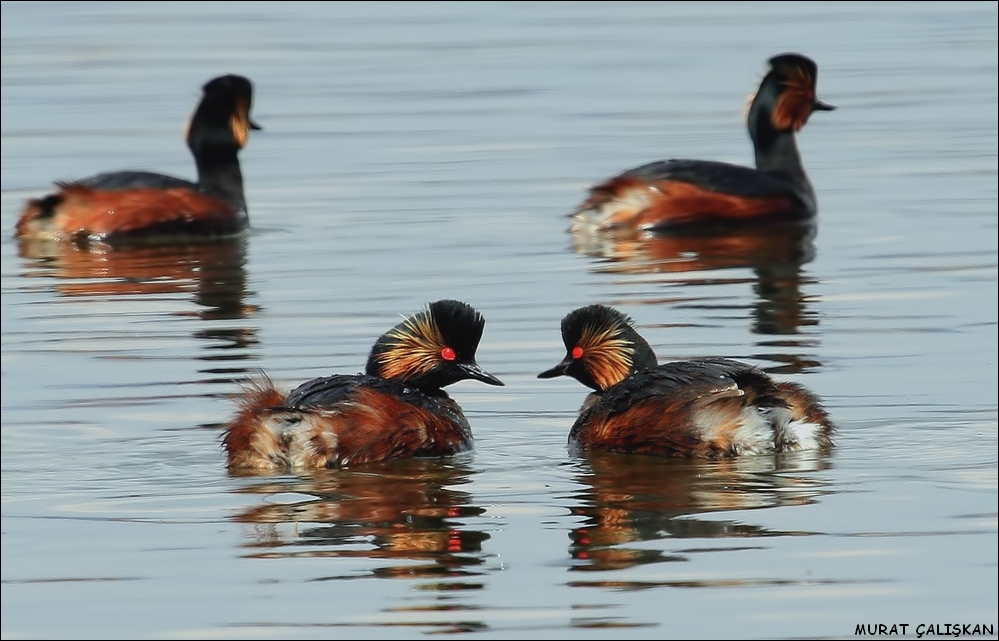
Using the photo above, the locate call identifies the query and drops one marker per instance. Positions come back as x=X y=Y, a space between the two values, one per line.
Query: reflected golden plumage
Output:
x=774 y=254
x=633 y=499
x=407 y=511
x=212 y=272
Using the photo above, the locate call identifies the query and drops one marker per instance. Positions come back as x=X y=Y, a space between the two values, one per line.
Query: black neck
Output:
x=776 y=149
x=219 y=174
x=644 y=357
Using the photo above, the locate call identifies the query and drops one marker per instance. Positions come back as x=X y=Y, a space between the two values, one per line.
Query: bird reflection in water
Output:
x=627 y=500
x=408 y=513
x=212 y=273
x=774 y=252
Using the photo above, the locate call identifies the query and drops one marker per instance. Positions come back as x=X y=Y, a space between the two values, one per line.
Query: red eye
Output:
x=448 y=354
x=577 y=352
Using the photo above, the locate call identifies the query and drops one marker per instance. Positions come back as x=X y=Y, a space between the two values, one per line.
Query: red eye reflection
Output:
x=448 y=354
x=577 y=352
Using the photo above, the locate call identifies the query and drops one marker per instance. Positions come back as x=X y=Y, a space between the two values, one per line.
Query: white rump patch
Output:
x=755 y=435
x=287 y=439
x=802 y=435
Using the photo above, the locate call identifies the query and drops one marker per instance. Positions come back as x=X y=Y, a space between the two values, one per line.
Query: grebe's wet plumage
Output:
x=710 y=407
x=674 y=193
x=142 y=206
x=396 y=409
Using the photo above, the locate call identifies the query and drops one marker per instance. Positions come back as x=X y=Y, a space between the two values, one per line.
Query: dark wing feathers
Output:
x=121 y=180
x=715 y=176
x=331 y=391
x=323 y=392
x=689 y=381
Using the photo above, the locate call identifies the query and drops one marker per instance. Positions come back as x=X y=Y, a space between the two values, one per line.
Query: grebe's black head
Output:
x=786 y=97
x=602 y=348
x=222 y=118
x=432 y=349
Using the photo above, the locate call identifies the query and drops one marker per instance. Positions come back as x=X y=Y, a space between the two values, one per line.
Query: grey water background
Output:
x=414 y=151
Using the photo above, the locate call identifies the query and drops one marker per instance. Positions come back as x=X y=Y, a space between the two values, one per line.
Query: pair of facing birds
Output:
x=711 y=408
x=707 y=407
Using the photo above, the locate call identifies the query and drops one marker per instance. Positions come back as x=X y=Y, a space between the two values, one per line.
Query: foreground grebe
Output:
x=142 y=206
x=700 y=408
x=396 y=409
x=671 y=193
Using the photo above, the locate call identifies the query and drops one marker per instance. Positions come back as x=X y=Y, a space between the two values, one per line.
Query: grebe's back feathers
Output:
x=328 y=391
x=682 y=382
x=322 y=392
x=718 y=176
x=121 y=180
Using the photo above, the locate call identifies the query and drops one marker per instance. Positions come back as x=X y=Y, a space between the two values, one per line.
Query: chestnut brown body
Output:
x=343 y=420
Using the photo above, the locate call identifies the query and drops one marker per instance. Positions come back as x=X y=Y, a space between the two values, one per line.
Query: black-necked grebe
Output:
x=140 y=206
x=709 y=408
x=673 y=193
x=396 y=409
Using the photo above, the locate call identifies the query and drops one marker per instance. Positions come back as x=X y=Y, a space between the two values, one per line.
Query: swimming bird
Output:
x=709 y=407
x=395 y=409
x=141 y=206
x=672 y=193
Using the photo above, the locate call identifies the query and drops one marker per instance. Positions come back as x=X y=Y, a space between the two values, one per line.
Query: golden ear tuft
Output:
x=607 y=356
x=414 y=348
x=239 y=123
x=795 y=102
x=240 y=130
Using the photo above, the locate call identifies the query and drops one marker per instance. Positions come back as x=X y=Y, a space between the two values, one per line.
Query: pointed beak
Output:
x=472 y=370
x=818 y=105
x=558 y=370
x=255 y=126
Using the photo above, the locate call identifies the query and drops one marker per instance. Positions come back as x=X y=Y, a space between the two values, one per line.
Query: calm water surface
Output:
x=416 y=151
